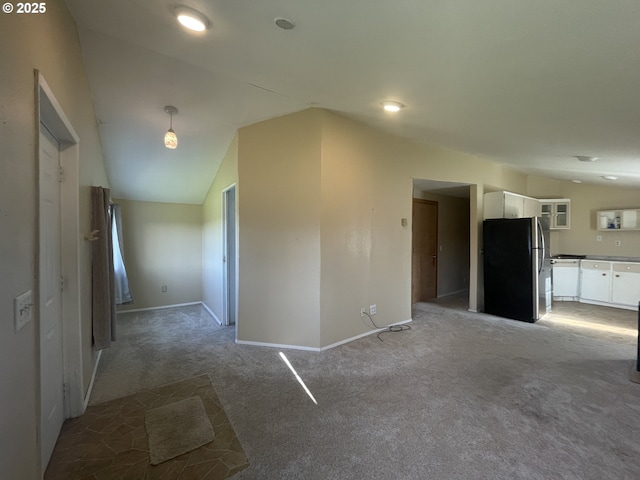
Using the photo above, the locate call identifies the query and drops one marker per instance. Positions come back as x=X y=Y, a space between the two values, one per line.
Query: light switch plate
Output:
x=22 y=309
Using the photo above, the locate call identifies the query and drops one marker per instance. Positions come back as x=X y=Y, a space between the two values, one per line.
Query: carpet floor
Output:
x=459 y=396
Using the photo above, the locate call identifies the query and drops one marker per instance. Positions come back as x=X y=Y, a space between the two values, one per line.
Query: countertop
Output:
x=601 y=258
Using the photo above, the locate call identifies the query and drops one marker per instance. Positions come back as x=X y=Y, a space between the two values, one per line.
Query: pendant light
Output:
x=170 y=138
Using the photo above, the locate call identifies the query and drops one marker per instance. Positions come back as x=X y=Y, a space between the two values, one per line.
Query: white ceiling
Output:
x=524 y=83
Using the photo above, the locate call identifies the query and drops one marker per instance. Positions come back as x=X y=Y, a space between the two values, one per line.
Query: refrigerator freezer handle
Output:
x=544 y=247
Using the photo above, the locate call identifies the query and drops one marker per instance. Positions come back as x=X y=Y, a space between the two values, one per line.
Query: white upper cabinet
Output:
x=559 y=212
x=624 y=219
x=509 y=205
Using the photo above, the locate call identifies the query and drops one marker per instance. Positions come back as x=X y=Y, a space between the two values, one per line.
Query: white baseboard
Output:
x=277 y=345
x=93 y=377
x=215 y=317
x=377 y=330
x=457 y=292
x=321 y=349
x=159 y=307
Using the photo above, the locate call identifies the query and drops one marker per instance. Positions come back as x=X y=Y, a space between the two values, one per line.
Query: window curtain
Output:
x=122 y=292
x=103 y=291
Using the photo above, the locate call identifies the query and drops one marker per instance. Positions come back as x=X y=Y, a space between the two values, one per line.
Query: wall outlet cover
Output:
x=22 y=309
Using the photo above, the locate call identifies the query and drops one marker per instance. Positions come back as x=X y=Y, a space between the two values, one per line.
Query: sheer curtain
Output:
x=121 y=282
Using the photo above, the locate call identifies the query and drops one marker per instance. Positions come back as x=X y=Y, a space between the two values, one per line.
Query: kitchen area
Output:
x=588 y=288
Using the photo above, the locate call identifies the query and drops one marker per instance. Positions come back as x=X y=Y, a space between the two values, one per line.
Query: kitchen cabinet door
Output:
x=625 y=289
x=513 y=206
x=595 y=281
x=531 y=207
x=566 y=279
x=558 y=211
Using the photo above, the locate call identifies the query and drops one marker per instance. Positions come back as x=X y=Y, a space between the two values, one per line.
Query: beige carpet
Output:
x=459 y=396
x=177 y=428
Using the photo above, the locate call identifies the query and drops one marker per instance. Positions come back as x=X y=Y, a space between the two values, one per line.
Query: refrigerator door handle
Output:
x=544 y=247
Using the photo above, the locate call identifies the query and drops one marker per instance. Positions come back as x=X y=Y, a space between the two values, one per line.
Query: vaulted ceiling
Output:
x=530 y=84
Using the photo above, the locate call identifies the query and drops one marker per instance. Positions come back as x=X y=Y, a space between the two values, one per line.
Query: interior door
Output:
x=50 y=298
x=424 y=256
x=230 y=256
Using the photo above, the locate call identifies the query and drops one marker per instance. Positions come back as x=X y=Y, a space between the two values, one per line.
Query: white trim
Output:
x=225 y=264
x=50 y=113
x=160 y=307
x=457 y=292
x=215 y=317
x=93 y=377
x=277 y=345
x=321 y=349
x=377 y=330
x=608 y=304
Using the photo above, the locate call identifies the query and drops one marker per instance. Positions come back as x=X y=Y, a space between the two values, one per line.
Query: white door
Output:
x=230 y=257
x=51 y=367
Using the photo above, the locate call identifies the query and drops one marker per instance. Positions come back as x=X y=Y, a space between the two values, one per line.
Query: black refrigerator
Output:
x=517 y=268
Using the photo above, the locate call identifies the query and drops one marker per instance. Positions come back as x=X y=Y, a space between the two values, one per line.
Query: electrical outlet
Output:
x=363 y=312
x=618 y=243
x=372 y=309
x=598 y=238
x=164 y=289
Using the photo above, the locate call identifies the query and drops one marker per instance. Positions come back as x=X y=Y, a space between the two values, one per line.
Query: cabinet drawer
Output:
x=594 y=265
x=566 y=263
x=626 y=267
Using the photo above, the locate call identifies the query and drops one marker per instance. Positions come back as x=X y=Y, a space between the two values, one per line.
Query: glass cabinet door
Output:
x=562 y=215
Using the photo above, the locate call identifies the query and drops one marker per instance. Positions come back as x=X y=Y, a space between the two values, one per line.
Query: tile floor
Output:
x=109 y=441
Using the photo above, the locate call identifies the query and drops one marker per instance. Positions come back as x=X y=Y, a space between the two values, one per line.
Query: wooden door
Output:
x=424 y=270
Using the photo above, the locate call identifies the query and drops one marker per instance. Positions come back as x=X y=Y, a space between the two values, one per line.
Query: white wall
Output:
x=48 y=43
x=162 y=247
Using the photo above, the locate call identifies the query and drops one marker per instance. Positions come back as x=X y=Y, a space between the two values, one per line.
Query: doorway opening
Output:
x=442 y=242
x=229 y=257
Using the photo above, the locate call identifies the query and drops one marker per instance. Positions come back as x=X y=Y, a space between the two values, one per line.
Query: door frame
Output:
x=226 y=261
x=49 y=112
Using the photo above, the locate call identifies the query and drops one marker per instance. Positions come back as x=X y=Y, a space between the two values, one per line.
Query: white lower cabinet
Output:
x=616 y=284
x=595 y=281
x=625 y=288
x=566 y=279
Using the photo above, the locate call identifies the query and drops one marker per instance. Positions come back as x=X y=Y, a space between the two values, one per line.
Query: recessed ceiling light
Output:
x=390 y=106
x=285 y=24
x=576 y=181
x=610 y=177
x=586 y=158
x=191 y=19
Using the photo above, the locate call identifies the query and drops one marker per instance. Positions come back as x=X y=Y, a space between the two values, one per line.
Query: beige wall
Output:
x=278 y=205
x=586 y=200
x=321 y=199
x=162 y=247
x=212 y=243
x=363 y=243
x=48 y=43
x=453 y=242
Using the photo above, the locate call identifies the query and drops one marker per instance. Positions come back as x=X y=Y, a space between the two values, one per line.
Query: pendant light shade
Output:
x=170 y=138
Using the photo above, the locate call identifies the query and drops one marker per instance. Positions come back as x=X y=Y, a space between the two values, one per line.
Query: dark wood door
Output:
x=424 y=269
